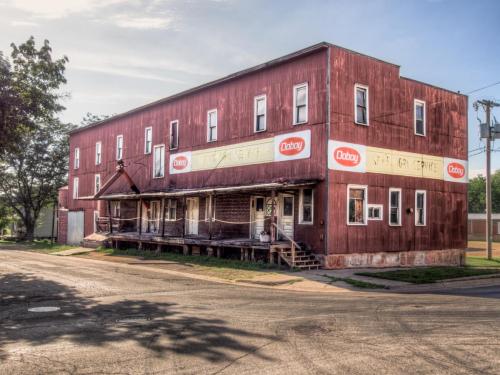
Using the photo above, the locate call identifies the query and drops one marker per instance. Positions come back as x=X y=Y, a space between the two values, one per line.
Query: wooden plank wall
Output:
x=391 y=126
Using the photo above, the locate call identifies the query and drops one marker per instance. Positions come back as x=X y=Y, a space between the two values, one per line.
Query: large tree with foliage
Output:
x=477 y=193
x=33 y=163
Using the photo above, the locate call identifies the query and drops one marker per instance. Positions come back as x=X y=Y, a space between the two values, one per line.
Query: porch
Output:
x=251 y=225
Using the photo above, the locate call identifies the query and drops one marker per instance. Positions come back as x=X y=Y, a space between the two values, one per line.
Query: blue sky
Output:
x=126 y=53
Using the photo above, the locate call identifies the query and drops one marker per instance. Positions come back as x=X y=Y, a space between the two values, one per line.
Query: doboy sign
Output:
x=455 y=170
x=344 y=156
x=292 y=146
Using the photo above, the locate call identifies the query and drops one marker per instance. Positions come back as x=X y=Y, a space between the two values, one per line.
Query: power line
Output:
x=483 y=88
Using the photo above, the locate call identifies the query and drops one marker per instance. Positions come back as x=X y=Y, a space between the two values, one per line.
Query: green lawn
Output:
x=43 y=246
x=474 y=261
x=355 y=283
x=430 y=274
x=192 y=259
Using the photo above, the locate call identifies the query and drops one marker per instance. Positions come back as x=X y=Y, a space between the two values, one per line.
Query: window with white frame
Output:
x=119 y=147
x=209 y=206
x=394 y=206
x=419 y=113
x=75 y=187
x=260 y=115
x=96 y=219
x=420 y=207
x=148 y=140
x=174 y=134
x=356 y=204
x=306 y=206
x=98 y=153
x=171 y=210
x=375 y=212
x=212 y=125
x=300 y=103
x=77 y=158
x=361 y=104
x=97 y=183
x=159 y=161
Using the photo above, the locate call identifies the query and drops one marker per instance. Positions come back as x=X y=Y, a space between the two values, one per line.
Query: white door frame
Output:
x=280 y=215
x=253 y=213
x=192 y=223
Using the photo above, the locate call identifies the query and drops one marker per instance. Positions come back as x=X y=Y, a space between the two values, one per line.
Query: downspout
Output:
x=327 y=175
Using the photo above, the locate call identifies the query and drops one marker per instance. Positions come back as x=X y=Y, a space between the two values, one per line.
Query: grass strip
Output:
x=356 y=283
x=429 y=274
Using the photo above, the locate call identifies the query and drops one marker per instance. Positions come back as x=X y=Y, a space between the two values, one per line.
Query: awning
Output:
x=214 y=190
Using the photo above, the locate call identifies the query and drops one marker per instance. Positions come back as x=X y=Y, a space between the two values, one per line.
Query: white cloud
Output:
x=476 y=172
x=59 y=8
x=142 y=23
x=23 y=23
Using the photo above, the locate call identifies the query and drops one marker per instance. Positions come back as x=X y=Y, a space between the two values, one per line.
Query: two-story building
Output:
x=323 y=155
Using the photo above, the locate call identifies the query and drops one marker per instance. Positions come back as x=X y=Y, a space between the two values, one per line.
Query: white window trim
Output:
x=170 y=203
x=97 y=177
x=364 y=87
x=177 y=137
x=415 y=103
x=76 y=158
x=75 y=187
x=365 y=204
x=117 y=138
x=399 y=207
x=301 y=207
x=216 y=125
x=306 y=85
x=154 y=161
x=98 y=161
x=380 y=207
x=255 y=100
x=425 y=208
x=150 y=128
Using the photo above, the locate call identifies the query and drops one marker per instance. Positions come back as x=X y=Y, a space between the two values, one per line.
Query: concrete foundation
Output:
x=448 y=257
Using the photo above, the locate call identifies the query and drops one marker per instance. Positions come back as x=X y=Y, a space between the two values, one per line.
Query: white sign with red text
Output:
x=343 y=156
x=180 y=163
x=455 y=170
x=292 y=146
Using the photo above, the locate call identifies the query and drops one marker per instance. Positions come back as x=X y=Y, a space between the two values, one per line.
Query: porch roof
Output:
x=213 y=190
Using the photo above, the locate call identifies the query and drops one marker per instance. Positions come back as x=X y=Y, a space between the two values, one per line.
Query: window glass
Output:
x=260 y=113
x=259 y=204
x=148 y=140
x=419 y=119
x=159 y=156
x=361 y=105
x=287 y=206
x=98 y=153
x=174 y=135
x=212 y=126
x=300 y=101
x=307 y=205
x=394 y=217
x=420 y=209
x=356 y=205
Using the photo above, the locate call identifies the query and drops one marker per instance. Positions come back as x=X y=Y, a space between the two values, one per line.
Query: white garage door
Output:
x=75 y=227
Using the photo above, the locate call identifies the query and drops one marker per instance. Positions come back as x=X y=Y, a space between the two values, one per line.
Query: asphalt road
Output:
x=117 y=319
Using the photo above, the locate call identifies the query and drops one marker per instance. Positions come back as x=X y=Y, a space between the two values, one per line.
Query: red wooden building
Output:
x=331 y=153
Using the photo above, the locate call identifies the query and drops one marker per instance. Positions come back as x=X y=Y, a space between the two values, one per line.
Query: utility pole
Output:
x=489 y=134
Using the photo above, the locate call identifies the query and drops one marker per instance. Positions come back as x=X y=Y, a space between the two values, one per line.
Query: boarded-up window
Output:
x=357 y=205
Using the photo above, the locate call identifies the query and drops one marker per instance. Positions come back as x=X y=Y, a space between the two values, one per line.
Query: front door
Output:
x=154 y=217
x=192 y=215
x=257 y=216
x=285 y=216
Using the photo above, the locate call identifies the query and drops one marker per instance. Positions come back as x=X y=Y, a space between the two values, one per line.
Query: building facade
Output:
x=326 y=149
x=477 y=227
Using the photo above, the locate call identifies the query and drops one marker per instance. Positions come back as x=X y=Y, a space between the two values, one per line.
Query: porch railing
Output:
x=293 y=245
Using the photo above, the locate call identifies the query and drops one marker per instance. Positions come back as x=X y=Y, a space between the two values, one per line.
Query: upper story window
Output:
x=260 y=113
x=97 y=183
x=119 y=147
x=300 y=103
x=75 y=188
x=98 y=153
x=420 y=207
x=77 y=158
x=148 y=140
x=306 y=206
x=159 y=161
x=419 y=109
x=356 y=204
x=212 y=125
x=394 y=206
x=361 y=104
x=174 y=134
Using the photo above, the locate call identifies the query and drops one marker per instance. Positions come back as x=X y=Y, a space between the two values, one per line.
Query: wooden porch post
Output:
x=184 y=210
x=210 y=215
x=140 y=216
x=109 y=218
x=163 y=217
x=273 y=216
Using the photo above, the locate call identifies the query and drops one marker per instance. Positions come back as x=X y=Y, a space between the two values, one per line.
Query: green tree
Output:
x=35 y=163
x=477 y=193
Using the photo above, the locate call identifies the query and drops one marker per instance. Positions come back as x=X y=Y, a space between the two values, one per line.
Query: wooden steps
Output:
x=303 y=260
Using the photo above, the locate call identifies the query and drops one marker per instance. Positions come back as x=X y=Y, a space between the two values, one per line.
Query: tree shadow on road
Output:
x=159 y=327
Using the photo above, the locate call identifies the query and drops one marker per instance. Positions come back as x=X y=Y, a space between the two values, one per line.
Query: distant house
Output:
x=477 y=226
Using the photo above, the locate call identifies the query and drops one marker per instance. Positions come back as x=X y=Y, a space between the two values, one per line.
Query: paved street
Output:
x=117 y=319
